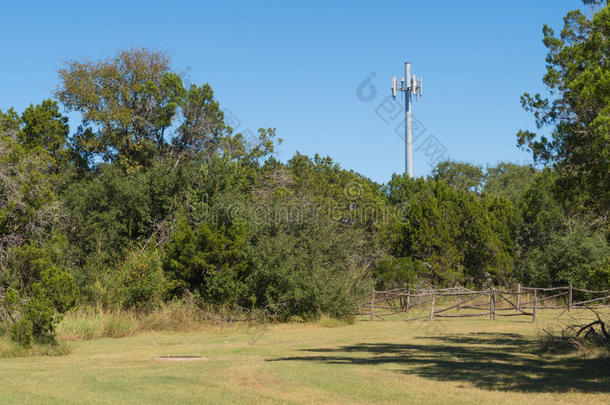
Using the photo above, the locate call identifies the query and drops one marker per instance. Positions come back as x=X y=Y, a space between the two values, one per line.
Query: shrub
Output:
x=207 y=260
x=35 y=311
x=307 y=271
x=22 y=332
x=141 y=281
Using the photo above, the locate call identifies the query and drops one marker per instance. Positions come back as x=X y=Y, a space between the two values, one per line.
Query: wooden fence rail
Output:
x=499 y=302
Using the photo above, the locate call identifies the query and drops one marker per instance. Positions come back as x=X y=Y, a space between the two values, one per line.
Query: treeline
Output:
x=155 y=198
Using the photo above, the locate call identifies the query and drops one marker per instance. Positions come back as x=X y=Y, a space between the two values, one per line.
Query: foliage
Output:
x=141 y=282
x=398 y=270
x=508 y=180
x=45 y=127
x=37 y=310
x=154 y=198
x=307 y=270
x=455 y=235
x=572 y=256
x=208 y=260
x=108 y=210
x=38 y=289
x=461 y=175
x=579 y=108
x=28 y=205
x=131 y=102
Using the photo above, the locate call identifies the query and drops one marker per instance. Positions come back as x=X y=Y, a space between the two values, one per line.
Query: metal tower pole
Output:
x=411 y=87
x=408 y=121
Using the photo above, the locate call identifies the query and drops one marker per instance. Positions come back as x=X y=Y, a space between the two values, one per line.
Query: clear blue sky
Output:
x=296 y=66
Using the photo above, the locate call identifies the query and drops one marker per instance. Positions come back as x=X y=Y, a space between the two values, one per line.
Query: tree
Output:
x=203 y=127
x=462 y=175
x=578 y=107
x=46 y=128
x=136 y=110
x=455 y=235
x=35 y=288
x=10 y=123
x=107 y=211
x=208 y=260
x=542 y=212
x=131 y=99
x=576 y=255
x=508 y=180
x=29 y=208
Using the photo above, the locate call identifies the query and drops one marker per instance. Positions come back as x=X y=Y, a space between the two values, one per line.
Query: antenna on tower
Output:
x=409 y=86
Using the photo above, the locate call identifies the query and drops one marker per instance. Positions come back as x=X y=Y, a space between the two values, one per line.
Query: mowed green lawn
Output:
x=445 y=362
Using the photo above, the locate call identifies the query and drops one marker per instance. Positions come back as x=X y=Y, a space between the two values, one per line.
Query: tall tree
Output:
x=203 y=125
x=131 y=99
x=131 y=102
x=45 y=127
x=578 y=107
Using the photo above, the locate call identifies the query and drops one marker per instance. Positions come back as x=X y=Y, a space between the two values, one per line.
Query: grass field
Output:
x=445 y=362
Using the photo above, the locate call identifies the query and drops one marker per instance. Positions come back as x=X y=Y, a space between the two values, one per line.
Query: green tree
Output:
x=38 y=292
x=29 y=208
x=202 y=127
x=209 y=260
x=453 y=234
x=131 y=99
x=45 y=127
x=108 y=211
x=542 y=212
x=10 y=123
x=576 y=255
x=578 y=109
x=140 y=282
x=508 y=180
x=462 y=175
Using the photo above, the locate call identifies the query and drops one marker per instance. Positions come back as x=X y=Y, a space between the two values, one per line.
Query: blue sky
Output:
x=296 y=66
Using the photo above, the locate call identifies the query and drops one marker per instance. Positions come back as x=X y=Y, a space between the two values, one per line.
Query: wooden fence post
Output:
x=459 y=298
x=492 y=304
x=432 y=307
x=570 y=299
x=408 y=298
x=535 y=305
x=518 y=296
x=372 y=305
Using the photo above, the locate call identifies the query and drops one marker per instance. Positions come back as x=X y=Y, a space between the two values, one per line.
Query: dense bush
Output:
x=452 y=235
x=208 y=260
x=36 y=311
x=141 y=281
x=577 y=255
x=314 y=269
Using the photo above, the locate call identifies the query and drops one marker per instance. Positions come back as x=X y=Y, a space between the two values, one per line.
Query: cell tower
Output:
x=410 y=86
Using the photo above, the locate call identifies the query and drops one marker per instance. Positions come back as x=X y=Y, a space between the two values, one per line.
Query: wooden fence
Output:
x=457 y=302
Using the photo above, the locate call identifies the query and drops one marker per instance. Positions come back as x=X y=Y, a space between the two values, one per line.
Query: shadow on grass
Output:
x=492 y=361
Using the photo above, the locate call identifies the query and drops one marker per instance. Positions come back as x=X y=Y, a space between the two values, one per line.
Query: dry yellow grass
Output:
x=461 y=361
